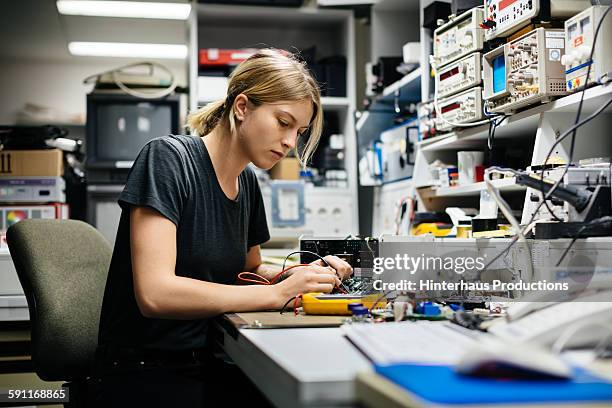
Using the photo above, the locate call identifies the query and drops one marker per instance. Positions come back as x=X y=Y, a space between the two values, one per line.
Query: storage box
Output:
x=286 y=169
x=32 y=163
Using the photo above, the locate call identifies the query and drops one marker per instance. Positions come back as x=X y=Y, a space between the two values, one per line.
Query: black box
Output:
x=435 y=11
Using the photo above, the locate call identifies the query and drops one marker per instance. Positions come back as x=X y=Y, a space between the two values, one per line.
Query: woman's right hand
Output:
x=308 y=279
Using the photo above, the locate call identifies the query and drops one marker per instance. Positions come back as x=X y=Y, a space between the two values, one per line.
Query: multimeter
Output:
x=337 y=304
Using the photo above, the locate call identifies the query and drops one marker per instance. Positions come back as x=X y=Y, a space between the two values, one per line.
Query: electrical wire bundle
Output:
x=150 y=94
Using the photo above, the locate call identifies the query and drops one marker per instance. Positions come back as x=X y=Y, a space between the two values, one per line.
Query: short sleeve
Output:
x=158 y=180
x=258 y=226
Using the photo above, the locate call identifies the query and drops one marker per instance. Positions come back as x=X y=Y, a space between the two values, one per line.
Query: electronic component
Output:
x=505 y=17
x=459 y=75
x=434 y=12
x=32 y=190
x=398 y=151
x=358 y=252
x=337 y=304
x=463 y=107
x=579 y=32
x=459 y=37
x=583 y=196
x=524 y=71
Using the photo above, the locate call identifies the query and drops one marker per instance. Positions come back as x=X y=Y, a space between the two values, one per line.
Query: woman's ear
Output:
x=240 y=106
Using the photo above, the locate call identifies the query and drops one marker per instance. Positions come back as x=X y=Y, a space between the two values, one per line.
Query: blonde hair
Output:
x=267 y=76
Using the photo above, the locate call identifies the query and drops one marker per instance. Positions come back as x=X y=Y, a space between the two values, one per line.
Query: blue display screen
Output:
x=499 y=74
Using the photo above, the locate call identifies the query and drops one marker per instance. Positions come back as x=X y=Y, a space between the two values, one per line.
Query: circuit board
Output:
x=358 y=252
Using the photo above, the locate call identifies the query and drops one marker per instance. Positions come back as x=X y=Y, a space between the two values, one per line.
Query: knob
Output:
x=565 y=60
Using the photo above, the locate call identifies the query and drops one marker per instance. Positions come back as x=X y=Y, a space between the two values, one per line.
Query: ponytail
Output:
x=205 y=119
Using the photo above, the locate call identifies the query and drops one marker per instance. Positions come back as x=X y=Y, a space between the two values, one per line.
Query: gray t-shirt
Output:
x=175 y=176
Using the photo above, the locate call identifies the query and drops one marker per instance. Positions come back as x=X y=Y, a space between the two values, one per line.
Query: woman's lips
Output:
x=278 y=155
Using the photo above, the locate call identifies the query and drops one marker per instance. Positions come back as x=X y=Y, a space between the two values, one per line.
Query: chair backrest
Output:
x=62 y=266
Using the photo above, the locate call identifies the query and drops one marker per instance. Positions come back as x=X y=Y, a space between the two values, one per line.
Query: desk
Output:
x=296 y=367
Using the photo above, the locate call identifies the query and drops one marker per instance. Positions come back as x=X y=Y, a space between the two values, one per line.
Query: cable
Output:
x=565 y=134
x=578 y=113
x=505 y=209
x=399 y=213
x=305 y=252
x=535 y=212
x=138 y=94
x=381 y=297
x=601 y=220
x=493 y=124
x=260 y=280
x=282 y=309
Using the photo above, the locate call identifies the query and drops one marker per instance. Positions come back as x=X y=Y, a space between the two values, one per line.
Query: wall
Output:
x=57 y=84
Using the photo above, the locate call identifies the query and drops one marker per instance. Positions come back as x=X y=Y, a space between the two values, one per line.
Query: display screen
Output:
x=450 y=107
x=499 y=74
x=123 y=129
x=449 y=74
x=505 y=3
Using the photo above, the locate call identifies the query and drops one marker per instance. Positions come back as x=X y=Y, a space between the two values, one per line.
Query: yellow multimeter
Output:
x=337 y=304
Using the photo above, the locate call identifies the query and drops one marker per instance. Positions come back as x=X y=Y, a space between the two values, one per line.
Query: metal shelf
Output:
x=505 y=185
x=407 y=88
x=520 y=125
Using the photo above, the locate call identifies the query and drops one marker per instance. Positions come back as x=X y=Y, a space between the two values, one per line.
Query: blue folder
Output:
x=442 y=385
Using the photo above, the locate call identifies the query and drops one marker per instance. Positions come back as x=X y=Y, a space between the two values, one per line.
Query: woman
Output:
x=192 y=219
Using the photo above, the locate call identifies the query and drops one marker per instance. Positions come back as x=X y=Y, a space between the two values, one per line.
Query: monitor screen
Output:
x=119 y=125
x=499 y=74
x=123 y=129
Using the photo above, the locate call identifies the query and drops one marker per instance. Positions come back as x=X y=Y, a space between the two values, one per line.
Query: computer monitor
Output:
x=119 y=125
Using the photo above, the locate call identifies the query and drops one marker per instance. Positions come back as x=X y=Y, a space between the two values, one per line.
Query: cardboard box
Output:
x=19 y=163
x=286 y=169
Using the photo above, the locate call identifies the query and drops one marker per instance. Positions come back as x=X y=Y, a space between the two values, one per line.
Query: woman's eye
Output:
x=283 y=124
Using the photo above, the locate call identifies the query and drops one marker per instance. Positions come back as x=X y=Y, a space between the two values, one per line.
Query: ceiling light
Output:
x=131 y=50
x=133 y=9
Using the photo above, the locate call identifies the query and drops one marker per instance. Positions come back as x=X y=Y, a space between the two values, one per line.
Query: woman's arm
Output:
x=160 y=293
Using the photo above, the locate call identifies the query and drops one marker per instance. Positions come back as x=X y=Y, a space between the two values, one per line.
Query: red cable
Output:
x=262 y=280
x=258 y=278
x=295 y=308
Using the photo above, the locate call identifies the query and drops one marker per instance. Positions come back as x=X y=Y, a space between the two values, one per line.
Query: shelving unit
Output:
x=538 y=127
x=331 y=32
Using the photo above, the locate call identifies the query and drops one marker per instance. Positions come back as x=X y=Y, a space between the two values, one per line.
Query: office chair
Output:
x=62 y=266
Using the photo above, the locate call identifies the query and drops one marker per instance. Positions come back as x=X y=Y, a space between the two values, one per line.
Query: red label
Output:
x=578 y=41
x=505 y=3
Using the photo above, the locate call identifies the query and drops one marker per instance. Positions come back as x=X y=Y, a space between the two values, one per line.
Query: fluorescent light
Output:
x=133 y=9
x=132 y=50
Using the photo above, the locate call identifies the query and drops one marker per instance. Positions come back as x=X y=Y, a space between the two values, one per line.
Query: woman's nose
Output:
x=289 y=140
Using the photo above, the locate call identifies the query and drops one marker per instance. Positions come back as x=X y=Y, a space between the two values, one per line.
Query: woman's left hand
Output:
x=342 y=268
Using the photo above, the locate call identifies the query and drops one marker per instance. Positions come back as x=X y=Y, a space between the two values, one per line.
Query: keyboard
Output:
x=424 y=342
